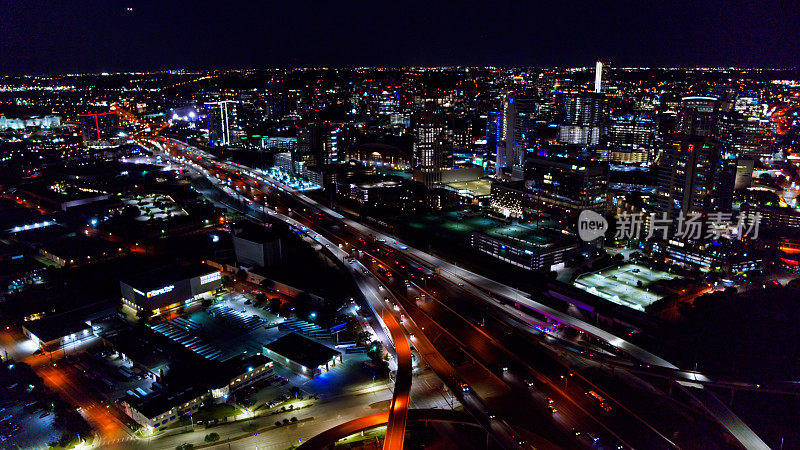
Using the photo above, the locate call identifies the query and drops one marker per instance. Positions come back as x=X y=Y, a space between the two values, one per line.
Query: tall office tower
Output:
x=494 y=126
x=598 y=77
x=696 y=174
x=567 y=185
x=632 y=135
x=433 y=144
x=331 y=144
x=584 y=117
x=519 y=135
x=695 y=177
x=221 y=121
x=100 y=129
x=698 y=116
x=318 y=143
x=601 y=72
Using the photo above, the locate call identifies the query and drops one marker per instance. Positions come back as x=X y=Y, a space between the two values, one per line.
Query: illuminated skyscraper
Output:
x=583 y=118
x=99 y=130
x=598 y=77
x=221 y=120
x=696 y=174
x=494 y=126
x=519 y=135
x=433 y=144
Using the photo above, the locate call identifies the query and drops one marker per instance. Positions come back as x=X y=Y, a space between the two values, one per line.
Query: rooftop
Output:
x=162 y=276
x=477 y=188
x=300 y=349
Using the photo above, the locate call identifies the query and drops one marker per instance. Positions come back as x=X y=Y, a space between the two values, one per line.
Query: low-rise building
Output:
x=169 y=288
x=302 y=355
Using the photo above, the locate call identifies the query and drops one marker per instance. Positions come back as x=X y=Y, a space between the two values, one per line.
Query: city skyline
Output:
x=422 y=225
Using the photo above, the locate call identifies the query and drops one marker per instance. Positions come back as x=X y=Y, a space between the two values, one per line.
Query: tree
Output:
x=302 y=305
x=241 y=275
x=143 y=315
x=212 y=437
x=275 y=305
x=295 y=391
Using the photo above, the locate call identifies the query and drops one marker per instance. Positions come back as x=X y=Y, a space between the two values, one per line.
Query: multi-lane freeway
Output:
x=257 y=190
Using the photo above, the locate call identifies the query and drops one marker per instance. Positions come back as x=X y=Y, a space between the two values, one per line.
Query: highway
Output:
x=476 y=285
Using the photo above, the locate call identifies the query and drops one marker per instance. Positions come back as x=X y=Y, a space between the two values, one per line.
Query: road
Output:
x=487 y=290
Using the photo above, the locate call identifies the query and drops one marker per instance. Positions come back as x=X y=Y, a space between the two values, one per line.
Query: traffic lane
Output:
x=288 y=209
x=485 y=384
x=422 y=336
x=471 y=343
x=570 y=416
x=398 y=412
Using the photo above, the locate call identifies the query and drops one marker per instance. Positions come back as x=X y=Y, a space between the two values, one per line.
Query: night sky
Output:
x=93 y=36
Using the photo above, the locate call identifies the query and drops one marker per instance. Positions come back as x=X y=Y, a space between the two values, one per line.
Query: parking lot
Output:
x=628 y=285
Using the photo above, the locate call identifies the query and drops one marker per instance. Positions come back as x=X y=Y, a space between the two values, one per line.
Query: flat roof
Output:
x=300 y=349
x=157 y=403
x=162 y=276
x=56 y=327
x=478 y=188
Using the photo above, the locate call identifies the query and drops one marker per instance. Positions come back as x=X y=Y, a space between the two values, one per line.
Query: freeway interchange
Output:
x=476 y=335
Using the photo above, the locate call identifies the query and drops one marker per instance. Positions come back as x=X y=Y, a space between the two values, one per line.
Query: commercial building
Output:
x=632 y=132
x=184 y=380
x=775 y=217
x=99 y=129
x=22 y=123
x=67 y=328
x=531 y=251
x=518 y=135
x=55 y=332
x=222 y=121
x=433 y=144
x=707 y=256
x=256 y=245
x=744 y=173
x=695 y=176
x=170 y=288
x=302 y=355
x=567 y=184
x=583 y=119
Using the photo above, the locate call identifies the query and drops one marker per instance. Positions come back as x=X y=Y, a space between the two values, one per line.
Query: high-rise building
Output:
x=319 y=143
x=696 y=173
x=221 y=122
x=99 y=129
x=494 y=126
x=598 y=77
x=695 y=177
x=518 y=135
x=433 y=144
x=583 y=119
x=698 y=116
x=569 y=185
x=632 y=133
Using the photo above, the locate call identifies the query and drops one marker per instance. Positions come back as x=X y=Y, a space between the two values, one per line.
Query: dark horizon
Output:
x=69 y=37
